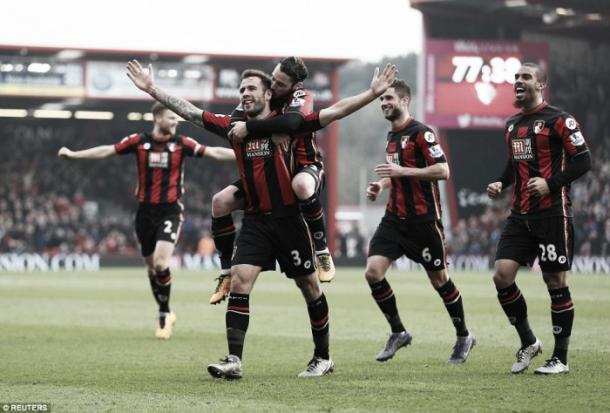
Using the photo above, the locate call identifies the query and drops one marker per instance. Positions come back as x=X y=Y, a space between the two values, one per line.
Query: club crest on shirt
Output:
x=171 y=147
x=522 y=149
x=258 y=148
x=404 y=141
x=158 y=160
x=538 y=126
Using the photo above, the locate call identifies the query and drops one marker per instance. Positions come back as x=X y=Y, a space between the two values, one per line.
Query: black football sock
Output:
x=384 y=297
x=237 y=319
x=514 y=305
x=163 y=279
x=562 y=316
x=314 y=216
x=318 y=317
x=223 y=232
x=453 y=302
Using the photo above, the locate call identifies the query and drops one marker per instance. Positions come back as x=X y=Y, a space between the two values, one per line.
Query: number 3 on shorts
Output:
x=296 y=258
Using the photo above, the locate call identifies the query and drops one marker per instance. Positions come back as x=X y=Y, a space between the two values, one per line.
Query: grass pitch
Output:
x=84 y=342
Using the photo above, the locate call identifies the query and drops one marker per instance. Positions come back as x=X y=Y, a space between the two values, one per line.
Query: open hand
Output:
x=143 y=79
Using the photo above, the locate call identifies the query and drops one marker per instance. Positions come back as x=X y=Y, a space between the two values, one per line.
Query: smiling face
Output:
x=253 y=95
x=166 y=122
x=528 y=87
x=392 y=105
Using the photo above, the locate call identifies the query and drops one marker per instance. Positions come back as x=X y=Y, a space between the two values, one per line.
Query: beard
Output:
x=393 y=115
x=255 y=109
x=167 y=130
x=526 y=101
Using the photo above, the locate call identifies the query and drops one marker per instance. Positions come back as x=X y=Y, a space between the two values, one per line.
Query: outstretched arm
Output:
x=145 y=81
x=97 y=152
x=219 y=153
x=349 y=105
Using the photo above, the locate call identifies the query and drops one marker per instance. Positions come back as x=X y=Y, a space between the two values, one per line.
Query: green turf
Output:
x=84 y=342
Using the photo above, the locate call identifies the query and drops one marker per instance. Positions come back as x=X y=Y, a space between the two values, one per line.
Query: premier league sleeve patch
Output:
x=436 y=151
x=577 y=139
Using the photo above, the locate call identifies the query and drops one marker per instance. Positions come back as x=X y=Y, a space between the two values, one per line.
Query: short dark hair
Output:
x=402 y=88
x=264 y=77
x=541 y=75
x=158 y=108
x=295 y=68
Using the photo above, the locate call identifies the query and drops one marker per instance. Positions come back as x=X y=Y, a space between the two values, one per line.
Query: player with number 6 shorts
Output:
x=412 y=223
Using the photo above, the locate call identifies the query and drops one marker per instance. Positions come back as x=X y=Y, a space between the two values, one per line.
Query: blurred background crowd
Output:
x=48 y=205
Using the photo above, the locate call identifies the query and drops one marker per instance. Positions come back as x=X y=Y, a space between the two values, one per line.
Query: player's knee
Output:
x=501 y=280
x=160 y=264
x=554 y=281
x=303 y=187
x=373 y=274
x=438 y=278
x=309 y=286
x=221 y=204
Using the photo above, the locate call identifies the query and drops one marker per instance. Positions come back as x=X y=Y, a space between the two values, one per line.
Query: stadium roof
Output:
x=588 y=19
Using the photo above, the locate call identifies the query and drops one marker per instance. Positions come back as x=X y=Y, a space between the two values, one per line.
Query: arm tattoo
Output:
x=180 y=106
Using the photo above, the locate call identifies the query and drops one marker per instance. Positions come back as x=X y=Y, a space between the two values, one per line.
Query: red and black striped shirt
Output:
x=264 y=169
x=160 y=164
x=414 y=145
x=541 y=143
x=304 y=144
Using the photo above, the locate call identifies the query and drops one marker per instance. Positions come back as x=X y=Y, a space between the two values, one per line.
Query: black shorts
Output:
x=550 y=239
x=422 y=242
x=263 y=240
x=317 y=172
x=158 y=222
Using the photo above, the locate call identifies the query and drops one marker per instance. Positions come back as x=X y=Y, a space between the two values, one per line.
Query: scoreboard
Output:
x=469 y=83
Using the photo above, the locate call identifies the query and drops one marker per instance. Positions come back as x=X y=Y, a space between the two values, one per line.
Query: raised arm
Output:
x=219 y=153
x=97 y=152
x=145 y=81
x=349 y=105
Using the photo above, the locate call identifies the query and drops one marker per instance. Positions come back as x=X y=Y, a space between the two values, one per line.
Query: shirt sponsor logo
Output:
x=577 y=139
x=436 y=151
x=392 y=157
x=522 y=150
x=158 y=160
x=258 y=148
x=538 y=126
